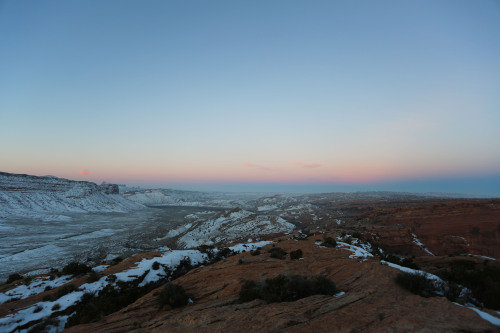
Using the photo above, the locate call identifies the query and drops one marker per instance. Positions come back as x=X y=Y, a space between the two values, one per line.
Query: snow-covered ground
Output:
x=419 y=243
x=143 y=269
x=170 y=197
x=50 y=198
x=226 y=227
x=31 y=245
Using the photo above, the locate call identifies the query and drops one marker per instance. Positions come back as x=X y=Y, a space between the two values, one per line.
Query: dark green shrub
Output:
x=255 y=253
x=110 y=299
x=416 y=283
x=173 y=295
x=37 y=309
x=64 y=290
x=205 y=248
x=111 y=278
x=240 y=261
x=181 y=269
x=329 y=242
x=14 y=277
x=406 y=262
x=323 y=285
x=484 y=283
x=208 y=250
x=277 y=252
x=44 y=326
x=156 y=266
x=297 y=254
x=224 y=253
x=56 y=307
x=249 y=291
x=93 y=277
x=117 y=260
x=356 y=235
x=75 y=269
x=284 y=288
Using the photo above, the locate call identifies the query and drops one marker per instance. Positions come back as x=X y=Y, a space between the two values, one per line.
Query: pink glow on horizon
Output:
x=306 y=165
x=83 y=172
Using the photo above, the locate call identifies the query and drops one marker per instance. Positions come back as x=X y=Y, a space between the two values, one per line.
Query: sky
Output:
x=254 y=95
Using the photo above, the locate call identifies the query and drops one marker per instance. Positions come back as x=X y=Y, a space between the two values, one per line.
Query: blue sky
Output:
x=254 y=94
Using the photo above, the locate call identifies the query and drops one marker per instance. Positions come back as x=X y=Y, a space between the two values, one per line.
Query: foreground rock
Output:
x=372 y=301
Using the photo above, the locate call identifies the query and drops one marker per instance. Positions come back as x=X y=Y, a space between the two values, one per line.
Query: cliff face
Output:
x=25 y=195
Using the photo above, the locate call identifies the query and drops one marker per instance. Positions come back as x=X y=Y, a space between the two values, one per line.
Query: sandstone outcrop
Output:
x=372 y=301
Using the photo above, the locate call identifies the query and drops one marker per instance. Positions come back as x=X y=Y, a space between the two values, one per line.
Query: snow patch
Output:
x=419 y=243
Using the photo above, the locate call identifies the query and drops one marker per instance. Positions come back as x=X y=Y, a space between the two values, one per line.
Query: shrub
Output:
x=117 y=260
x=75 y=268
x=255 y=253
x=14 y=277
x=205 y=248
x=329 y=242
x=156 y=266
x=406 y=262
x=323 y=285
x=484 y=283
x=277 y=252
x=37 y=309
x=93 y=277
x=240 y=261
x=173 y=295
x=356 y=235
x=249 y=291
x=56 y=307
x=111 y=278
x=284 y=288
x=110 y=299
x=181 y=269
x=46 y=325
x=224 y=253
x=297 y=254
x=417 y=283
x=64 y=290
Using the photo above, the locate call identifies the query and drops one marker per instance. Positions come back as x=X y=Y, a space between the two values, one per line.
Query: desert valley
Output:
x=102 y=256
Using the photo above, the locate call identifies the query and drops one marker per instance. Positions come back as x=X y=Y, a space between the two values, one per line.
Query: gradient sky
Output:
x=254 y=95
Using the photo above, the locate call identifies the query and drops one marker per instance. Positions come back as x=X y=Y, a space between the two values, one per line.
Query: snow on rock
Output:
x=37 y=286
x=239 y=248
x=413 y=271
x=100 y=268
x=419 y=243
x=357 y=251
x=267 y=208
x=144 y=268
x=229 y=226
x=486 y=316
x=170 y=259
x=47 y=198
x=37 y=311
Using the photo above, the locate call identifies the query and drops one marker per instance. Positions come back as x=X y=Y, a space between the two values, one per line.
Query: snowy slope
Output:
x=227 y=226
x=170 y=197
x=32 y=196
